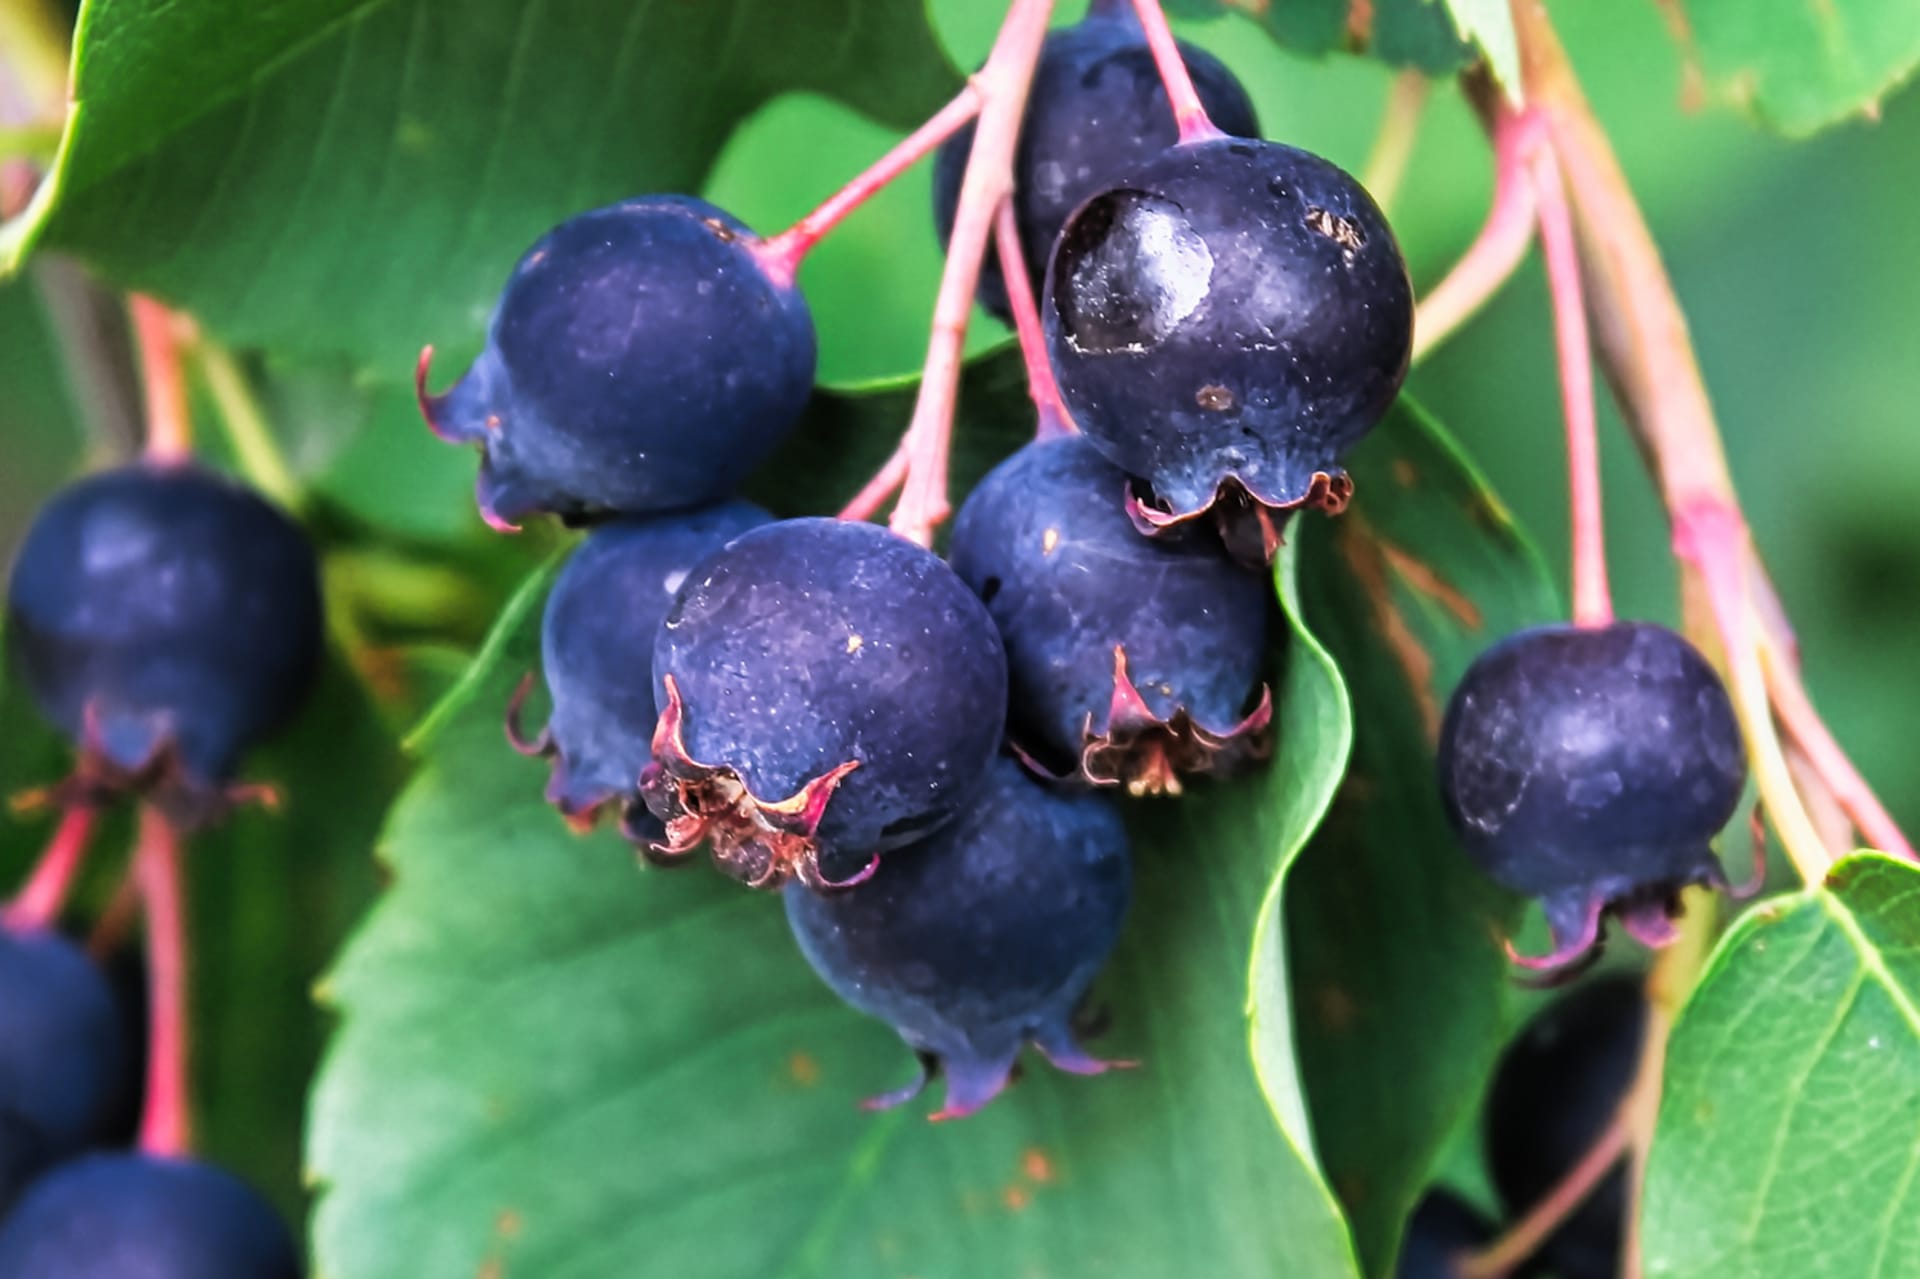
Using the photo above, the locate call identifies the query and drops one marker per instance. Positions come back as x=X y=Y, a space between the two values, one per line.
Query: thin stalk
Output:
x=1392 y=151
x=1522 y=1239
x=169 y=428
x=40 y=899
x=882 y=486
x=1054 y=420
x=165 y=1127
x=1496 y=253
x=245 y=425
x=1189 y=113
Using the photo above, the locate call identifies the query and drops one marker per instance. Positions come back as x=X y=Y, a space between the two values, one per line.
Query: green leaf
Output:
x=355 y=177
x=1398 y=975
x=1801 y=67
x=1489 y=24
x=1403 y=33
x=553 y=1063
x=1785 y=1142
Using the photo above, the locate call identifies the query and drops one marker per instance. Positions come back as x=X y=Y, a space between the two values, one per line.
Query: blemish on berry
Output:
x=721 y=231
x=1214 y=398
x=853 y=643
x=1343 y=231
x=1048 y=541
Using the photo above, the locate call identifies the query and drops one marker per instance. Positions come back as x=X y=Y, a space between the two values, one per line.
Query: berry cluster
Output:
x=825 y=705
x=165 y=620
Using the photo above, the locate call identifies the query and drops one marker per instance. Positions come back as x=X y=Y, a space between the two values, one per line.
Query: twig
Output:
x=1496 y=253
x=1054 y=420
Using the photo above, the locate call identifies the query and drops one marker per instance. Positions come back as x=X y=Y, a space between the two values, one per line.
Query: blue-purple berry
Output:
x=1131 y=660
x=828 y=692
x=1444 y=1230
x=983 y=939
x=642 y=357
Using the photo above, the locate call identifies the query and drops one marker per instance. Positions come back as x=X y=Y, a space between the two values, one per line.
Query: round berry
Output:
x=1226 y=320
x=828 y=692
x=165 y=619
x=117 y=1216
x=596 y=653
x=1590 y=767
x=641 y=358
x=1444 y=1229
x=1130 y=660
x=1559 y=1085
x=1097 y=108
x=63 y=1055
x=983 y=939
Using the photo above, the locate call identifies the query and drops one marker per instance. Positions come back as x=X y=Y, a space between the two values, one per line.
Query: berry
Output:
x=119 y=1216
x=1589 y=767
x=63 y=1054
x=982 y=940
x=828 y=692
x=1130 y=660
x=1444 y=1228
x=641 y=358
x=1097 y=108
x=165 y=619
x=1558 y=1086
x=596 y=653
x=1226 y=320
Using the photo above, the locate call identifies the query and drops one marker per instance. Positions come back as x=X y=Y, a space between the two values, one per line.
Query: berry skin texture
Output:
x=1444 y=1229
x=1097 y=108
x=981 y=940
x=1131 y=661
x=165 y=619
x=1589 y=767
x=596 y=654
x=1558 y=1086
x=640 y=359
x=829 y=692
x=1226 y=320
x=63 y=1055
x=117 y=1216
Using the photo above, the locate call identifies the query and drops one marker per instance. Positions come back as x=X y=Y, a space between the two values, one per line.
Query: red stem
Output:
x=1809 y=732
x=1522 y=1239
x=1592 y=602
x=782 y=254
x=1054 y=420
x=45 y=892
x=1496 y=253
x=169 y=428
x=881 y=487
x=165 y=1129
x=1188 y=113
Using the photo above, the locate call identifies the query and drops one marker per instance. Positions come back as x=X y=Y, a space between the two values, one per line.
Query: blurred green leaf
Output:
x=1402 y=33
x=355 y=177
x=1398 y=974
x=1489 y=24
x=1785 y=1143
x=1802 y=66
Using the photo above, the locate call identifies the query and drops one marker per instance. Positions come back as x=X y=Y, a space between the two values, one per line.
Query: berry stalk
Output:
x=39 y=901
x=782 y=254
x=1054 y=420
x=885 y=483
x=1524 y=1237
x=1188 y=111
x=1392 y=151
x=1499 y=248
x=1003 y=84
x=165 y=1127
x=156 y=333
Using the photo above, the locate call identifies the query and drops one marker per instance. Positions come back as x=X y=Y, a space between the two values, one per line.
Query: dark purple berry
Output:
x=122 y=1216
x=63 y=1055
x=828 y=692
x=983 y=939
x=596 y=654
x=1226 y=320
x=1097 y=108
x=1444 y=1229
x=1130 y=660
x=1559 y=1085
x=641 y=358
x=1589 y=767
x=164 y=619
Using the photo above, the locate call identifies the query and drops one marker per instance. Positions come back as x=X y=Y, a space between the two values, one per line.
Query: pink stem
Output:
x=1188 y=113
x=1524 y=1237
x=1003 y=83
x=45 y=892
x=781 y=255
x=1809 y=732
x=165 y=1129
x=116 y=921
x=1054 y=420
x=1496 y=253
x=1592 y=602
x=169 y=429
x=881 y=487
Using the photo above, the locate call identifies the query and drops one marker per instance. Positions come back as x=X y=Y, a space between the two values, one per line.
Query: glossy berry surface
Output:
x=141 y=1217
x=983 y=939
x=164 y=616
x=1589 y=767
x=1558 y=1086
x=1131 y=660
x=63 y=1056
x=596 y=649
x=1226 y=320
x=1097 y=108
x=844 y=677
x=1444 y=1229
x=640 y=359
